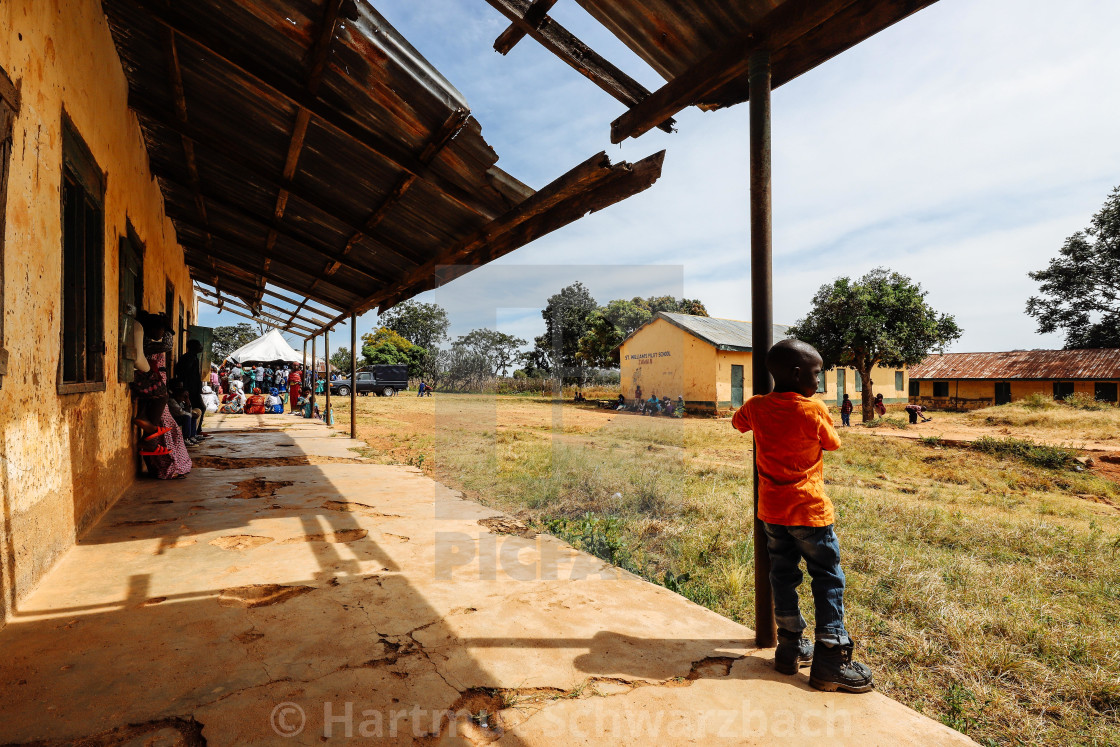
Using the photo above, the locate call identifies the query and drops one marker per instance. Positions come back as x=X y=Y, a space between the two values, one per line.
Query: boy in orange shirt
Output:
x=791 y=433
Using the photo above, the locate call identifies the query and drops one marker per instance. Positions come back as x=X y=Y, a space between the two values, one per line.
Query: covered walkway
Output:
x=291 y=588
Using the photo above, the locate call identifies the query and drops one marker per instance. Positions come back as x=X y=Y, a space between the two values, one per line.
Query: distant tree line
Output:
x=580 y=340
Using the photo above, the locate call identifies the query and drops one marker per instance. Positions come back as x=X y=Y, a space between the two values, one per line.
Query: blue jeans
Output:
x=186 y=425
x=821 y=551
x=846 y=418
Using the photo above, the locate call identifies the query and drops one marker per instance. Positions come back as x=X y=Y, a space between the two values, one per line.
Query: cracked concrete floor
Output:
x=288 y=591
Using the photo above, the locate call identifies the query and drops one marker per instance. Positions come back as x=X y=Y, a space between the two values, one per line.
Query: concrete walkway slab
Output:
x=290 y=591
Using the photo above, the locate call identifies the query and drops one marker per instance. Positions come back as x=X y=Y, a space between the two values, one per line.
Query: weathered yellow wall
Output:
x=882 y=379
x=665 y=360
x=66 y=458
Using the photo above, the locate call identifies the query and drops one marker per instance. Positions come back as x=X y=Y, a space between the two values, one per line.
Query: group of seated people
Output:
x=652 y=406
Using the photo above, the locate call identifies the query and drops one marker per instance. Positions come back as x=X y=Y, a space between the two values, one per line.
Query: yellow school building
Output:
x=708 y=362
x=967 y=381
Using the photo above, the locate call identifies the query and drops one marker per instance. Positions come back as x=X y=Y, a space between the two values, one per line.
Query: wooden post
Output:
x=314 y=369
x=762 y=314
x=304 y=359
x=327 y=372
x=353 y=376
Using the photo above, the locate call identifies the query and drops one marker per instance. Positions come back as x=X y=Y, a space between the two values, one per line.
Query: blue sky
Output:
x=959 y=147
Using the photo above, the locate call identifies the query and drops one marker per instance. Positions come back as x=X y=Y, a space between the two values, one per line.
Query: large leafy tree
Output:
x=880 y=319
x=566 y=320
x=609 y=325
x=340 y=359
x=499 y=350
x=387 y=346
x=423 y=324
x=228 y=339
x=1080 y=289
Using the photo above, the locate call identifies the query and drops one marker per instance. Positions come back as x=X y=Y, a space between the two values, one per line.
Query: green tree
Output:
x=609 y=325
x=423 y=324
x=387 y=346
x=1080 y=289
x=566 y=319
x=340 y=359
x=880 y=319
x=228 y=339
x=499 y=350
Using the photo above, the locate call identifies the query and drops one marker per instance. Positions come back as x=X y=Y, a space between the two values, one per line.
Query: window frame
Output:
x=822 y=383
x=9 y=111
x=858 y=382
x=81 y=177
x=900 y=381
x=1097 y=385
x=1060 y=385
x=915 y=388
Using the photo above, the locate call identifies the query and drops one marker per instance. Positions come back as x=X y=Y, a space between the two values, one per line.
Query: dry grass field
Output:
x=984 y=589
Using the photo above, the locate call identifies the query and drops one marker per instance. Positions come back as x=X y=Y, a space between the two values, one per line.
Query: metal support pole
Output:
x=762 y=314
x=327 y=366
x=314 y=370
x=353 y=376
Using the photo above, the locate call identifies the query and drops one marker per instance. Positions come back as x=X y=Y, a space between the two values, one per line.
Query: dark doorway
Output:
x=736 y=386
x=1003 y=392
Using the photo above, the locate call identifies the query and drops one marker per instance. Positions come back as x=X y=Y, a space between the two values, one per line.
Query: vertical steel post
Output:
x=762 y=313
x=327 y=366
x=353 y=376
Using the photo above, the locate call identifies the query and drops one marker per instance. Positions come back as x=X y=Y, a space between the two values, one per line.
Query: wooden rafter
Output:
x=582 y=58
x=349 y=127
x=289 y=299
x=223 y=303
x=332 y=256
x=258 y=310
x=380 y=243
x=200 y=251
x=590 y=186
x=798 y=33
x=536 y=12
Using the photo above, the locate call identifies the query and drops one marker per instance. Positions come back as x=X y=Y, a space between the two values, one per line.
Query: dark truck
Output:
x=384 y=380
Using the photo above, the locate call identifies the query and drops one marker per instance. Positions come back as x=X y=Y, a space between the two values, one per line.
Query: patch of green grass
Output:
x=1040 y=455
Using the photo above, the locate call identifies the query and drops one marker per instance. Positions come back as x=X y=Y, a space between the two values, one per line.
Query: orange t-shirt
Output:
x=790 y=434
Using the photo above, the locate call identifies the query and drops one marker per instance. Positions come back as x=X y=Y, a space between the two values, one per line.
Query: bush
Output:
x=1082 y=401
x=1038 y=402
x=1040 y=455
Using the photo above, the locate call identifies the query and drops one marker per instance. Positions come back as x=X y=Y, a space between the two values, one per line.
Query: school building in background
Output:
x=708 y=362
x=967 y=381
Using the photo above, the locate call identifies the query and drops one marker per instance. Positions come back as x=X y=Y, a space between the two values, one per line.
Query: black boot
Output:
x=833 y=669
x=794 y=651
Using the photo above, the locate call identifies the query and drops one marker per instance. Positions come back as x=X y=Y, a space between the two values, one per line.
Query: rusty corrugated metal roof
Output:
x=1100 y=364
x=307 y=146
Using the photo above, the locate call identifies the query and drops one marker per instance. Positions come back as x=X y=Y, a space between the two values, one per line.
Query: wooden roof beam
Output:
x=289 y=299
x=260 y=318
x=269 y=85
x=269 y=275
x=269 y=182
x=258 y=311
x=582 y=58
x=536 y=12
x=566 y=199
x=184 y=218
x=783 y=27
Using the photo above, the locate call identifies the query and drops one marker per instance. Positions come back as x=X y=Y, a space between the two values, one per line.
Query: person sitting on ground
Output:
x=846 y=408
x=679 y=410
x=301 y=402
x=653 y=405
x=274 y=404
x=189 y=371
x=620 y=404
x=880 y=406
x=666 y=405
x=255 y=403
x=210 y=399
x=233 y=402
x=791 y=433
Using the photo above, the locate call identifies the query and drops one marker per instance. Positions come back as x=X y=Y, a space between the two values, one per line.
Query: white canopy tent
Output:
x=271 y=347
